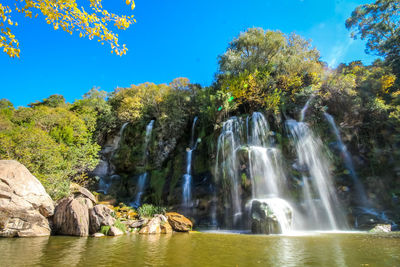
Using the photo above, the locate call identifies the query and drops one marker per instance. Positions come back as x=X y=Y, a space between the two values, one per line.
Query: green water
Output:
x=204 y=249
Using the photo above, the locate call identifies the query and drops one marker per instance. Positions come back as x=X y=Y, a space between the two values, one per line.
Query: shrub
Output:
x=148 y=210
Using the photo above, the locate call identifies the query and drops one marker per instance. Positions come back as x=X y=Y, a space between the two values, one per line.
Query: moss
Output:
x=157 y=182
x=105 y=229
x=120 y=225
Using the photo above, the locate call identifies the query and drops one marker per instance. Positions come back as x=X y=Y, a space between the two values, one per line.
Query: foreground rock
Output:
x=71 y=216
x=114 y=231
x=100 y=216
x=24 y=203
x=179 y=222
x=265 y=221
x=157 y=225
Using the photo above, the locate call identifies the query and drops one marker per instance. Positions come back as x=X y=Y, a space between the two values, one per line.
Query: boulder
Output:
x=24 y=203
x=152 y=227
x=179 y=222
x=114 y=231
x=270 y=216
x=138 y=223
x=71 y=216
x=100 y=216
x=381 y=228
x=79 y=191
x=166 y=228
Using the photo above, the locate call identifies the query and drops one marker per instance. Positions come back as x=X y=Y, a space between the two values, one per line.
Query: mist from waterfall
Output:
x=187 y=177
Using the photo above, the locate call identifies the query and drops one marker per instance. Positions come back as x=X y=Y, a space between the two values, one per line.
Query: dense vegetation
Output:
x=266 y=71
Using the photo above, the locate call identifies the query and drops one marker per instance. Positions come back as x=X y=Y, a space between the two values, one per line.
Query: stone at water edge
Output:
x=24 y=203
x=71 y=216
x=381 y=228
x=100 y=216
x=98 y=235
x=157 y=225
x=138 y=223
x=179 y=222
x=114 y=231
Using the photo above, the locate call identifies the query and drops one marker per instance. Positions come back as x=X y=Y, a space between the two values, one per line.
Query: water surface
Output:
x=205 y=249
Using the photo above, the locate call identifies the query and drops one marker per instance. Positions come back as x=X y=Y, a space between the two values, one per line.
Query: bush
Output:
x=148 y=210
x=105 y=229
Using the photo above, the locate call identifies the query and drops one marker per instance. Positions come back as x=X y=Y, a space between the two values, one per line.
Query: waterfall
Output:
x=250 y=140
x=226 y=166
x=187 y=177
x=346 y=156
x=305 y=108
x=141 y=184
x=312 y=161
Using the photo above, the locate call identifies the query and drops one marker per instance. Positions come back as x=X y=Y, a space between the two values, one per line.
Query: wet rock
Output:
x=71 y=216
x=166 y=228
x=381 y=228
x=24 y=203
x=179 y=222
x=100 y=216
x=264 y=220
x=114 y=231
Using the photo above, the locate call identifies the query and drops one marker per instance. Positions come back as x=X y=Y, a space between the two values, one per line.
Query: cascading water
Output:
x=317 y=179
x=187 y=177
x=226 y=167
x=305 y=108
x=264 y=165
x=361 y=197
x=141 y=184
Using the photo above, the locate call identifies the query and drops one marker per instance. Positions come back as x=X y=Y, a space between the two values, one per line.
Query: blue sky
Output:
x=176 y=38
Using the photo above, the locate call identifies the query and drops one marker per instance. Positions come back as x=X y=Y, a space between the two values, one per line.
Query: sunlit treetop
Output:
x=67 y=15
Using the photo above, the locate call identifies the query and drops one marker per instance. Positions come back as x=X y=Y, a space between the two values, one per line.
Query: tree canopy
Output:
x=379 y=24
x=68 y=16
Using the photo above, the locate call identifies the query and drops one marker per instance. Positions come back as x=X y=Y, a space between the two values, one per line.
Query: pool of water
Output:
x=205 y=249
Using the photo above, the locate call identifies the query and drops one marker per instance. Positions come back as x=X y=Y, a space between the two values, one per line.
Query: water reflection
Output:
x=204 y=250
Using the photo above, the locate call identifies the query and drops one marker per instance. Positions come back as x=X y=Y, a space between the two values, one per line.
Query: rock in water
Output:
x=179 y=222
x=152 y=227
x=114 y=231
x=100 y=216
x=270 y=216
x=71 y=216
x=381 y=228
x=24 y=203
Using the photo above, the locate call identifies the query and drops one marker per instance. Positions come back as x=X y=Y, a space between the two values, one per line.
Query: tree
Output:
x=378 y=23
x=68 y=16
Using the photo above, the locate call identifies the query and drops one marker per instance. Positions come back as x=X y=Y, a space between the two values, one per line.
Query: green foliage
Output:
x=105 y=229
x=120 y=225
x=51 y=140
x=148 y=210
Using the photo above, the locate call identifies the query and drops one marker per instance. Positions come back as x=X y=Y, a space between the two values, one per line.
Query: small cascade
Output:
x=305 y=108
x=359 y=188
x=187 y=177
x=141 y=184
x=313 y=164
x=139 y=190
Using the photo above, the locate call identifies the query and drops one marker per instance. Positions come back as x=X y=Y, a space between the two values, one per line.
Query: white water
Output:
x=305 y=108
x=264 y=164
x=141 y=184
x=359 y=188
x=187 y=177
x=282 y=210
x=312 y=159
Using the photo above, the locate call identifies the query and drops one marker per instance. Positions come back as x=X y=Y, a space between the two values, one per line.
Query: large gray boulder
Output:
x=270 y=216
x=24 y=203
x=100 y=216
x=71 y=216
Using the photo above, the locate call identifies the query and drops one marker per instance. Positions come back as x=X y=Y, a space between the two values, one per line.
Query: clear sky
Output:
x=175 y=38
